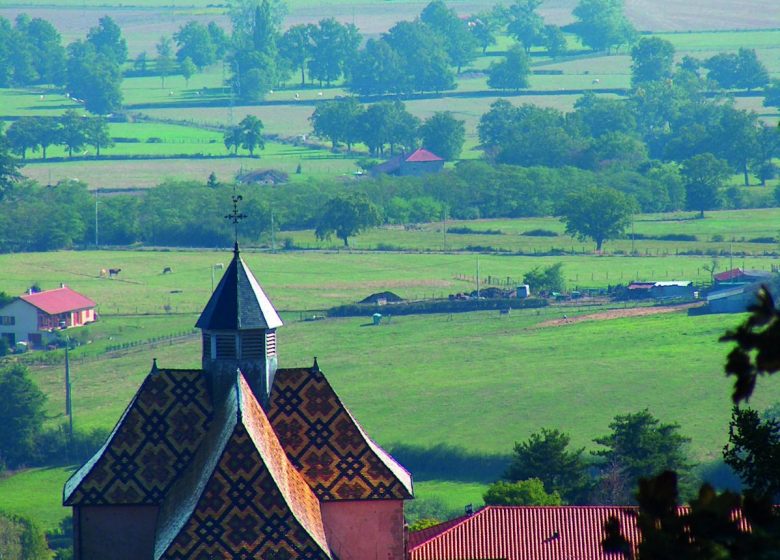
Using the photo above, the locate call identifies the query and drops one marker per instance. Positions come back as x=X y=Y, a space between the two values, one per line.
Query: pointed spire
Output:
x=154 y=366
x=238 y=302
x=315 y=368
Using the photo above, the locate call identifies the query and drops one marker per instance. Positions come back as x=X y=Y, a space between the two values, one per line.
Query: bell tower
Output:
x=239 y=326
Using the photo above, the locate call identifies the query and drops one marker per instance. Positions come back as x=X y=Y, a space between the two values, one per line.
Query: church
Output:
x=239 y=459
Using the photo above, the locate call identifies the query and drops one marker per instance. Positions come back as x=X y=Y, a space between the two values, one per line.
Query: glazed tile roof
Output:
x=58 y=301
x=238 y=302
x=524 y=533
x=241 y=498
x=151 y=445
x=325 y=443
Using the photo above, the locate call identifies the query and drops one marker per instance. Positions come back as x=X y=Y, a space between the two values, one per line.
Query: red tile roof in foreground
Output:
x=422 y=155
x=58 y=301
x=524 y=533
x=530 y=533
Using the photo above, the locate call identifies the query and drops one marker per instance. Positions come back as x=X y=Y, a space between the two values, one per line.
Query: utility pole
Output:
x=68 y=396
x=477 y=276
x=96 y=218
x=444 y=226
x=273 y=233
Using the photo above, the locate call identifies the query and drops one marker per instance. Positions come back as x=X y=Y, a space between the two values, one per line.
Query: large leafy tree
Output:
x=529 y=492
x=598 y=213
x=255 y=55
x=378 y=69
x=424 y=56
x=459 y=42
x=107 y=39
x=346 y=215
x=97 y=135
x=21 y=136
x=95 y=77
x=704 y=175
x=511 y=73
x=443 y=134
x=525 y=24
x=740 y=70
x=9 y=166
x=753 y=451
x=601 y=115
x=73 y=131
x=251 y=134
x=296 y=47
x=21 y=415
x=388 y=122
x=641 y=446
x=43 y=46
x=194 y=41
x=602 y=25
x=546 y=456
x=338 y=120
x=334 y=45
x=652 y=59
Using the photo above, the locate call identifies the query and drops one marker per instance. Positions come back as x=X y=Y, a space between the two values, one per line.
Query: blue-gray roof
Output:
x=238 y=303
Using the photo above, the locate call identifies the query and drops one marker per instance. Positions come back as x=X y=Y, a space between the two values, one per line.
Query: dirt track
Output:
x=615 y=314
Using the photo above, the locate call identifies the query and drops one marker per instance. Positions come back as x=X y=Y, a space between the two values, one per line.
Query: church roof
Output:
x=327 y=445
x=238 y=302
x=241 y=497
x=151 y=445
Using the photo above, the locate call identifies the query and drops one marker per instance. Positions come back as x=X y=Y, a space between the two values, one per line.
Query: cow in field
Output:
x=114 y=272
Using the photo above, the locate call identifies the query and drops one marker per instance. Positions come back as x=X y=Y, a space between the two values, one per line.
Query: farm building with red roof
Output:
x=419 y=162
x=32 y=317
x=238 y=459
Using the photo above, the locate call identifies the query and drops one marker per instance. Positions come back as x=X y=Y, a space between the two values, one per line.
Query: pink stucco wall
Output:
x=114 y=532
x=365 y=530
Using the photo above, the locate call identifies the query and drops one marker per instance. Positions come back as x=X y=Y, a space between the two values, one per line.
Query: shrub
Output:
x=154 y=140
x=540 y=233
x=467 y=230
x=763 y=240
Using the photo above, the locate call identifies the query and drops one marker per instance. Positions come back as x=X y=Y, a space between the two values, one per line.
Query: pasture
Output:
x=477 y=380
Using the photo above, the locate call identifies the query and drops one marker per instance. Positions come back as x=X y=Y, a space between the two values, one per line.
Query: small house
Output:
x=739 y=276
x=32 y=317
x=419 y=162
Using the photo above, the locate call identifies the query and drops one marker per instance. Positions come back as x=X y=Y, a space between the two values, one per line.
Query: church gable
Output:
x=245 y=499
x=152 y=444
x=327 y=446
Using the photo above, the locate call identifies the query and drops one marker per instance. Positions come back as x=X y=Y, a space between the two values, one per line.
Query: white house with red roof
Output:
x=32 y=317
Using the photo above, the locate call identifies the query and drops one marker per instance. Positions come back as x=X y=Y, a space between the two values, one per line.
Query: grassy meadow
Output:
x=477 y=380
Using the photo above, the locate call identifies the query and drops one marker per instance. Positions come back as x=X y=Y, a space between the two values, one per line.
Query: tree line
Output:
x=421 y=55
x=71 y=130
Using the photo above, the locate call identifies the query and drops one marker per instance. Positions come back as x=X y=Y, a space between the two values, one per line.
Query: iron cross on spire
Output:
x=236 y=217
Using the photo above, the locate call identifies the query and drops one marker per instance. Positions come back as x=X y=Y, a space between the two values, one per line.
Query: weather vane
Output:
x=236 y=217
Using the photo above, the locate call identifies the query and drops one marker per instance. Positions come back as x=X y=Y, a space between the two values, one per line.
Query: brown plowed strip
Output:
x=617 y=314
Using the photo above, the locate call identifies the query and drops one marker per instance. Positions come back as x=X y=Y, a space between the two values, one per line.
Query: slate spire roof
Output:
x=238 y=303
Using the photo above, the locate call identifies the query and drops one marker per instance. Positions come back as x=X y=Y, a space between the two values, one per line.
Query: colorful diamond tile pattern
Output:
x=243 y=514
x=324 y=443
x=154 y=443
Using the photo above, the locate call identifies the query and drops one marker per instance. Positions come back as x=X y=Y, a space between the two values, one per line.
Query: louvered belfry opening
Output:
x=239 y=329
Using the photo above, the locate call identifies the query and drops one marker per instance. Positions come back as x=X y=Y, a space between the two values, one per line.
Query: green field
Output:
x=478 y=380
